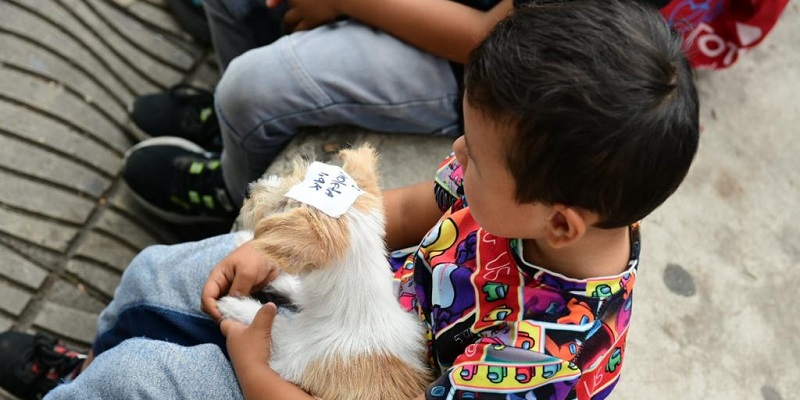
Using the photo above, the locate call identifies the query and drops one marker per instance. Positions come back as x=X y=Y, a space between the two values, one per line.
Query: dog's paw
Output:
x=285 y=285
x=242 y=309
x=241 y=237
x=273 y=182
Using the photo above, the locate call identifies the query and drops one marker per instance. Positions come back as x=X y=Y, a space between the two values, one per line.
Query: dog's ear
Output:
x=301 y=239
x=362 y=165
x=265 y=196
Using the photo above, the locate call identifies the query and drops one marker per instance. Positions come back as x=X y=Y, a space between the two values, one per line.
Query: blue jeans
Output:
x=344 y=73
x=153 y=341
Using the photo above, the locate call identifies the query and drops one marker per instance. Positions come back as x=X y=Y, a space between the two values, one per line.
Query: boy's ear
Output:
x=300 y=240
x=566 y=226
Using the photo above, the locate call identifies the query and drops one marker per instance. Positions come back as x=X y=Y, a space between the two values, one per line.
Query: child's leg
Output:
x=159 y=296
x=342 y=73
x=151 y=369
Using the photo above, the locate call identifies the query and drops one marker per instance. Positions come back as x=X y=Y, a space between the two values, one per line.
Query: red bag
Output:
x=717 y=31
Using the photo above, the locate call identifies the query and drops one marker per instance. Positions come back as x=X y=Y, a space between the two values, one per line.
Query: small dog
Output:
x=350 y=339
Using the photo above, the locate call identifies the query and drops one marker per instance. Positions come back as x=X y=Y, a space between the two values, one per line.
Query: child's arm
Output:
x=249 y=348
x=410 y=212
x=444 y=28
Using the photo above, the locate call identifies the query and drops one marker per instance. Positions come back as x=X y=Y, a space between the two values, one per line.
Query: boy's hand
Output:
x=239 y=274
x=304 y=15
x=250 y=344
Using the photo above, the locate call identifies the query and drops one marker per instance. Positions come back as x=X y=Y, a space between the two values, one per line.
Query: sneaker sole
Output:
x=6 y=395
x=166 y=215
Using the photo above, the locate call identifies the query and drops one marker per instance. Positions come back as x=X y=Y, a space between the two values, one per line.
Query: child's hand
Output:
x=250 y=344
x=239 y=274
x=250 y=348
x=304 y=15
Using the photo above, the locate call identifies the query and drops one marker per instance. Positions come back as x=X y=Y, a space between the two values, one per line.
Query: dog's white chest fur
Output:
x=340 y=318
x=350 y=339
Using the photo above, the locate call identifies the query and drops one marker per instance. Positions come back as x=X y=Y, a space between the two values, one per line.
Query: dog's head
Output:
x=298 y=237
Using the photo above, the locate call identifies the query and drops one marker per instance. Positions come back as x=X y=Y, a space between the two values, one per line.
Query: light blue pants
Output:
x=153 y=341
x=341 y=73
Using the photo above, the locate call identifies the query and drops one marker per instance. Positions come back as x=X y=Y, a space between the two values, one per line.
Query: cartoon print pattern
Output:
x=499 y=328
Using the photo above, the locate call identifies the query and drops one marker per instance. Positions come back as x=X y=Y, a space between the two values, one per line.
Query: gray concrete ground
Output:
x=720 y=258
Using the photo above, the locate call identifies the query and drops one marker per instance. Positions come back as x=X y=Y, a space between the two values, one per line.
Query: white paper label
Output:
x=327 y=188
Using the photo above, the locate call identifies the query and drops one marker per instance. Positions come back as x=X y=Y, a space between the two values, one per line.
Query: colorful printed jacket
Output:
x=501 y=328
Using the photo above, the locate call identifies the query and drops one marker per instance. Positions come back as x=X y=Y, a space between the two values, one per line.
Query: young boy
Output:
x=581 y=118
x=572 y=135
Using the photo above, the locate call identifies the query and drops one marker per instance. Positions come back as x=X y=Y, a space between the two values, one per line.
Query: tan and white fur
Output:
x=350 y=339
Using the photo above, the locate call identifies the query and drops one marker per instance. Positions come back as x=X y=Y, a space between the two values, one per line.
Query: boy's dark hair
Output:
x=600 y=102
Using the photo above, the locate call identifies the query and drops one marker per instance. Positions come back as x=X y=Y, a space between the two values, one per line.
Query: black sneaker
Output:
x=178 y=181
x=183 y=111
x=32 y=365
x=192 y=18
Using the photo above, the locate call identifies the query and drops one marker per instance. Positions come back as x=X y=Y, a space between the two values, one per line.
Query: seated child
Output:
x=581 y=118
